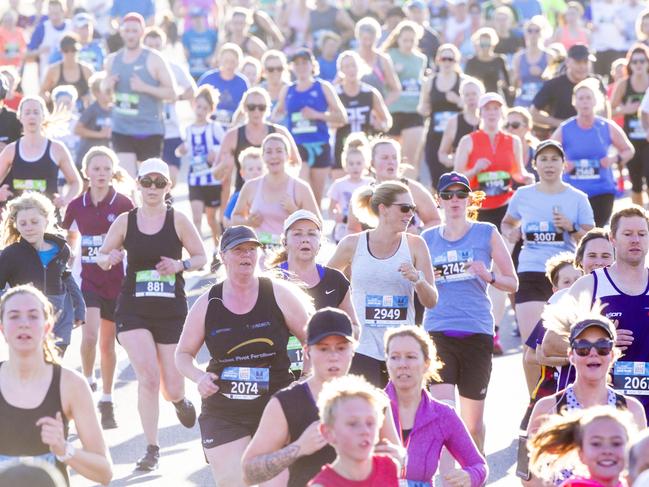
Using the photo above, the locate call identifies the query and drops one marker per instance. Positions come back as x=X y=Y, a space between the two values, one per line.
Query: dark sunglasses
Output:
x=273 y=69
x=448 y=195
x=407 y=208
x=638 y=61
x=147 y=182
x=251 y=107
x=447 y=59
x=602 y=346
x=513 y=125
x=533 y=31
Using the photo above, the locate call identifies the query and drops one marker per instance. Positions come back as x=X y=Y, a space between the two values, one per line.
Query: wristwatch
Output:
x=70 y=450
x=187 y=264
x=420 y=276
x=574 y=229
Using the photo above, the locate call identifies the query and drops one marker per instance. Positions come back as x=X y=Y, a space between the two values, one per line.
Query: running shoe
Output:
x=185 y=412
x=93 y=386
x=107 y=414
x=498 y=348
x=150 y=459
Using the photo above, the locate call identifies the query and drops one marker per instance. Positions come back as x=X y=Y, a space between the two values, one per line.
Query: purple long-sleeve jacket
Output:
x=437 y=425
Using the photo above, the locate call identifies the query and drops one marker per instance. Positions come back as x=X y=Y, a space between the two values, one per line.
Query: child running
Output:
x=202 y=142
x=252 y=166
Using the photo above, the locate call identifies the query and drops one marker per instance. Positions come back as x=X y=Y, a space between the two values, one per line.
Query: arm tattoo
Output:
x=264 y=467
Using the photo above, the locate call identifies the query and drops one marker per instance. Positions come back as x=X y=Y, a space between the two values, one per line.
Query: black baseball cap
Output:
x=549 y=143
x=580 y=52
x=304 y=53
x=605 y=325
x=451 y=178
x=328 y=322
x=238 y=235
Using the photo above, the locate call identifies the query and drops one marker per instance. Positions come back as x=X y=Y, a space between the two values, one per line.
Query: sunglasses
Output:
x=274 y=69
x=602 y=346
x=448 y=195
x=533 y=31
x=638 y=61
x=252 y=107
x=147 y=182
x=447 y=59
x=513 y=125
x=405 y=208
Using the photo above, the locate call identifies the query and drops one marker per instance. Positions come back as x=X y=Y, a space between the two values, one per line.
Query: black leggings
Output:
x=602 y=206
x=638 y=166
x=375 y=371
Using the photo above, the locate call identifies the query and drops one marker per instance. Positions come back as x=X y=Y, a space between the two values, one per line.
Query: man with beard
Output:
x=141 y=79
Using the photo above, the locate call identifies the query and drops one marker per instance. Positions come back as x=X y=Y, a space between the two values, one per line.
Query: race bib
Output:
x=451 y=265
x=631 y=378
x=636 y=131
x=127 y=104
x=440 y=120
x=301 y=125
x=152 y=284
x=411 y=87
x=529 y=90
x=224 y=117
x=414 y=483
x=586 y=169
x=244 y=383
x=295 y=354
x=30 y=185
x=386 y=310
x=90 y=245
x=494 y=183
x=543 y=233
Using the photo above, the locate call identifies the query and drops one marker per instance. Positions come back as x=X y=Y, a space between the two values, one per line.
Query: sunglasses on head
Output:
x=251 y=107
x=273 y=69
x=582 y=347
x=147 y=182
x=513 y=125
x=405 y=208
x=448 y=195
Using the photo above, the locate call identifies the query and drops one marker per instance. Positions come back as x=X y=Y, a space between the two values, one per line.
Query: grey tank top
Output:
x=382 y=298
x=134 y=113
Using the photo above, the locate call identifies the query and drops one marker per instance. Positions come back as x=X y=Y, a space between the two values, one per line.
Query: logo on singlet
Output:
x=111 y=217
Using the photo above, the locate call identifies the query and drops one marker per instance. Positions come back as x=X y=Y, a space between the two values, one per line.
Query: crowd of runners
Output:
x=381 y=180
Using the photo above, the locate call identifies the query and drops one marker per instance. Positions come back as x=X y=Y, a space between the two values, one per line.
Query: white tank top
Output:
x=382 y=298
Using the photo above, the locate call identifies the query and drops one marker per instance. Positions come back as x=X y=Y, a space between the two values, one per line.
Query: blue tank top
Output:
x=530 y=83
x=135 y=113
x=457 y=287
x=306 y=131
x=584 y=148
x=631 y=372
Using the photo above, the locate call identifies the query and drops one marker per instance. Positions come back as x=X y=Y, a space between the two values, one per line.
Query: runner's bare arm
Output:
x=348 y=307
x=444 y=153
x=343 y=254
x=424 y=106
x=113 y=242
x=279 y=112
x=462 y=153
x=425 y=288
x=191 y=240
x=192 y=339
x=336 y=113
x=506 y=279
x=64 y=161
x=426 y=207
x=296 y=307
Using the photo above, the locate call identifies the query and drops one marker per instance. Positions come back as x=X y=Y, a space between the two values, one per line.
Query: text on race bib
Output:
x=494 y=183
x=295 y=354
x=385 y=310
x=301 y=125
x=543 y=233
x=30 y=185
x=151 y=284
x=127 y=104
x=451 y=265
x=90 y=245
x=244 y=383
x=586 y=169
x=440 y=120
x=631 y=378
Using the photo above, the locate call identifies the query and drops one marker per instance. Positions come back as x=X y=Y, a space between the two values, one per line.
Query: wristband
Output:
x=574 y=229
x=70 y=450
x=493 y=277
x=186 y=264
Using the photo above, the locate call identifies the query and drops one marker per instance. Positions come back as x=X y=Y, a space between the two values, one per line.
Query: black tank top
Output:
x=21 y=437
x=144 y=292
x=463 y=128
x=244 y=143
x=39 y=175
x=442 y=109
x=300 y=411
x=247 y=352
x=632 y=125
x=359 y=110
x=81 y=84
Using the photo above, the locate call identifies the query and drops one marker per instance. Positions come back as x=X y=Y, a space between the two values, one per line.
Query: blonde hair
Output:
x=95 y=80
x=593 y=85
x=368 y=24
x=428 y=348
x=470 y=80
x=119 y=174
x=53 y=122
x=29 y=200
x=485 y=32
x=362 y=66
x=50 y=352
x=561 y=435
x=249 y=153
x=404 y=25
x=366 y=200
x=348 y=387
x=557 y=262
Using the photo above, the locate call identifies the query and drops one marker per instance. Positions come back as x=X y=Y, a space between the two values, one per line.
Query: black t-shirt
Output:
x=510 y=45
x=429 y=43
x=331 y=289
x=555 y=96
x=489 y=72
x=10 y=127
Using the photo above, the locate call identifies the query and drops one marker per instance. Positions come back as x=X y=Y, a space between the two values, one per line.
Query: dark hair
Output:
x=592 y=234
x=208 y=93
x=557 y=262
x=636 y=48
x=628 y=212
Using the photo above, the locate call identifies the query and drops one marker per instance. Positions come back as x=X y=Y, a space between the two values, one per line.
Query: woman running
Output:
x=439 y=101
x=88 y=219
x=463 y=251
x=245 y=321
x=152 y=306
x=550 y=217
x=587 y=140
x=39 y=397
x=310 y=104
x=387 y=265
x=426 y=425
x=289 y=426
x=33 y=162
x=409 y=63
x=529 y=64
x=265 y=202
x=35 y=253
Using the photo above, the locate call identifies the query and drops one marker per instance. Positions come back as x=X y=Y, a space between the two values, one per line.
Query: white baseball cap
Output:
x=489 y=97
x=301 y=215
x=154 y=165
